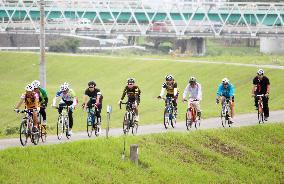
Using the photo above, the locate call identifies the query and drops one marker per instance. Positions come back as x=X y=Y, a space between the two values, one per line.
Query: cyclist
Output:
x=172 y=91
x=43 y=99
x=226 y=91
x=195 y=92
x=31 y=100
x=68 y=98
x=93 y=96
x=261 y=86
x=133 y=93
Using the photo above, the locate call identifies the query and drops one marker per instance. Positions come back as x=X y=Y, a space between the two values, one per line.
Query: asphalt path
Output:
x=211 y=123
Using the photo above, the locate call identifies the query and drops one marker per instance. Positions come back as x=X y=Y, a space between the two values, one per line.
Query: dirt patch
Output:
x=223 y=148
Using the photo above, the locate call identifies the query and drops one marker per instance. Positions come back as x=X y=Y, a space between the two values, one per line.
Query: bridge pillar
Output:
x=272 y=45
x=194 y=46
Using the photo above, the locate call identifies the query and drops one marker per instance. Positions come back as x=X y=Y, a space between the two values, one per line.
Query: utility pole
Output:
x=42 y=69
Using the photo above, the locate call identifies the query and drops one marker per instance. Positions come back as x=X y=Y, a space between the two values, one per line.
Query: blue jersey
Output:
x=226 y=92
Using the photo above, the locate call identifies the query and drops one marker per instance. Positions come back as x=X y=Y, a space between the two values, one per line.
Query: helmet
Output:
x=29 y=87
x=91 y=83
x=66 y=84
x=225 y=81
x=35 y=84
x=130 y=80
x=192 y=80
x=260 y=72
x=169 y=77
x=64 y=87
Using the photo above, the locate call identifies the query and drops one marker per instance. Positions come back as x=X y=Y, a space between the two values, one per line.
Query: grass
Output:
x=241 y=155
x=18 y=69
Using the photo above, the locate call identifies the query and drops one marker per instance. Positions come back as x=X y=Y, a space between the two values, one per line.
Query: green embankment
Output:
x=18 y=69
x=241 y=155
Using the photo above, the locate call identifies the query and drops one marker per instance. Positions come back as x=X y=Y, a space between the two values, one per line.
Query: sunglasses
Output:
x=91 y=87
x=130 y=84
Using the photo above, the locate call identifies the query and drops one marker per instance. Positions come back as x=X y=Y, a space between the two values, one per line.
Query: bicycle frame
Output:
x=28 y=124
x=92 y=121
x=191 y=115
x=63 y=122
x=225 y=113
x=169 y=116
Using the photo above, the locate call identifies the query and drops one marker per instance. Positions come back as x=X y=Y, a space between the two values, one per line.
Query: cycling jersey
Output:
x=261 y=84
x=226 y=92
x=30 y=100
x=194 y=92
x=172 y=90
x=132 y=93
x=68 y=98
x=92 y=94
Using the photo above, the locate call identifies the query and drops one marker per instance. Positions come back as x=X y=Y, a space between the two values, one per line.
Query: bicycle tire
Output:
x=166 y=119
x=23 y=133
x=89 y=126
x=43 y=133
x=223 y=119
x=134 y=128
x=173 y=120
x=96 y=127
x=186 y=121
x=260 y=116
x=60 y=128
x=35 y=137
x=125 y=124
x=66 y=123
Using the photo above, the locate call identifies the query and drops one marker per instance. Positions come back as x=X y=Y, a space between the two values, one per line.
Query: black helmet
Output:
x=169 y=77
x=130 y=80
x=91 y=83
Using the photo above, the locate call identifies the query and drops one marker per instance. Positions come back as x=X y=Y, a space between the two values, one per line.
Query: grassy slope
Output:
x=17 y=69
x=241 y=155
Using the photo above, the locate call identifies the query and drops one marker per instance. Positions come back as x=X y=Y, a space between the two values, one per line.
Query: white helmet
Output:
x=225 y=81
x=64 y=87
x=29 y=87
x=260 y=72
x=192 y=80
x=35 y=84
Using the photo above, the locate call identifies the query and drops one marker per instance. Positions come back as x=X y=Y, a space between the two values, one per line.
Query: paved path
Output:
x=241 y=120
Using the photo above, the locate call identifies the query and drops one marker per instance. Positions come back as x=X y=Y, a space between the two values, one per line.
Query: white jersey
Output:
x=194 y=92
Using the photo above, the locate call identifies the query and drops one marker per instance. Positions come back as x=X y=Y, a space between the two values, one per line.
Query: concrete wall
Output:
x=23 y=40
x=272 y=45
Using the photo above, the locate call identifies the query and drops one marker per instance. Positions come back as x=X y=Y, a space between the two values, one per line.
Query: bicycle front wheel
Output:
x=60 y=128
x=89 y=127
x=223 y=119
x=166 y=119
x=35 y=137
x=134 y=128
x=24 y=133
x=260 y=116
x=42 y=133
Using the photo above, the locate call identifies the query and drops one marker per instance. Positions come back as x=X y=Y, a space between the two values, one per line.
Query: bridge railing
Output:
x=142 y=18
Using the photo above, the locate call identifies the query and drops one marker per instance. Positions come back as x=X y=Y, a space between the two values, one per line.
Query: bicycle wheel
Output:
x=24 y=133
x=166 y=119
x=60 y=127
x=66 y=123
x=173 y=120
x=134 y=128
x=42 y=133
x=125 y=124
x=97 y=127
x=186 y=121
x=35 y=137
x=89 y=125
x=223 y=119
x=260 y=115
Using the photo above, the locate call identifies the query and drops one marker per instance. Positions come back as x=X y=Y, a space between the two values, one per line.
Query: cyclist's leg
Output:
x=43 y=114
x=256 y=103
x=265 y=107
x=232 y=106
x=35 y=117
x=196 y=104
x=70 y=115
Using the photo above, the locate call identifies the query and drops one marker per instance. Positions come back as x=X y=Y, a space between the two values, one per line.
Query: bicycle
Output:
x=225 y=114
x=26 y=128
x=63 y=123
x=92 y=121
x=191 y=115
x=260 y=112
x=129 y=117
x=42 y=129
x=169 y=115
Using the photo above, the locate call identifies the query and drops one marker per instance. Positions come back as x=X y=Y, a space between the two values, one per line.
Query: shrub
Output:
x=64 y=45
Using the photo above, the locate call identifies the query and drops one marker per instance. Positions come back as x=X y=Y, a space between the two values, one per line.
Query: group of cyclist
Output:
x=35 y=97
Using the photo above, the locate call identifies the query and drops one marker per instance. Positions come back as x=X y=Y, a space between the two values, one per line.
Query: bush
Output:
x=64 y=45
x=11 y=130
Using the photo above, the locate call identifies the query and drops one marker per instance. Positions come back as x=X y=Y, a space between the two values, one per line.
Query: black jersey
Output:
x=261 y=84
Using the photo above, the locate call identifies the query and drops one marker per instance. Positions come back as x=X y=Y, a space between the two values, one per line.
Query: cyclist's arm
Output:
x=199 y=95
x=175 y=89
x=232 y=91
x=124 y=93
x=219 y=92
x=162 y=92
x=85 y=99
x=99 y=94
x=73 y=96
x=44 y=94
x=268 y=89
x=20 y=103
x=185 y=91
